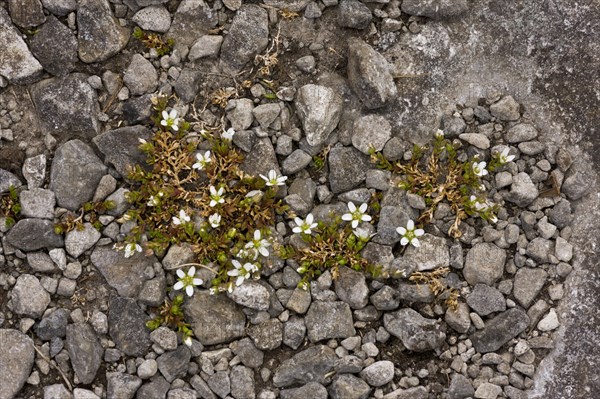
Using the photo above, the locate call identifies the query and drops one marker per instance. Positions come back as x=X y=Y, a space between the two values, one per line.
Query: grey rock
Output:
x=121 y=385
x=458 y=318
x=548 y=323
x=140 y=77
x=251 y=295
x=417 y=333
x=294 y=332
x=347 y=168
x=201 y=387
x=17 y=64
x=220 y=383
x=126 y=275
x=310 y=365
x=521 y=132
x=205 y=46
x=528 y=283
x=411 y=393
x=53 y=325
x=507 y=109
x=57 y=391
x=476 y=139
x=174 y=364
x=560 y=214
x=377 y=254
x=354 y=14
x=386 y=298
x=85 y=351
x=75 y=173
x=319 y=109
x=157 y=388
x=503 y=179
x=165 y=338
x=188 y=84
x=55 y=47
x=432 y=254
x=501 y=329
x=369 y=75
x=153 y=18
x=378 y=179
x=99 y=34
x=137 y=109
x=522 y=191
x=240 y=116
x=563 y=250
x=347 y=386
x=485 y=300
x=306 y=63
x=532 y=148
x=379 y=373
x=120 y=147
x=488 y=391
x=178 y=254
x=412 y=293
x=371 y=131
x=453 y=126
x=181 y=393
x=29 y=297
x=127 y=326
x=436 y=9
x=262 y=159
x=292 y=5
x=577 y=183
x=120 y=202
x=267 y=335
x=191 y=20
x=312 y=390
x=41 y=262
x=37 y=203
x=325 y=320
x=351 y=287
x=16 y=361
x=266 y=114
x=249 y=355
x=284 y=145
x=60 y=7
x=33 y=234
x=299 y=301
x=227 y=320
x=295 y=162
x=80 y=393
x=460 y=387
x=248 y=36
x=34 y=171
x=243 y=387
x=79 y=241
x=67 y=107
x=539 y=249
x=514 y=393
x=484 y=264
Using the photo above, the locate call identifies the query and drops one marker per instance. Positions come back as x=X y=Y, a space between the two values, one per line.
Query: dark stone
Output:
x=34 y=234
x=26 y=13
x=500 y=330
x=174 y=364
x=55 y=47
x=85 y=351
x=53 y=325
x=312 y=364
x=325 y=320
x=120 y=147
x=416 y=332
x=188 y=84
x=157 y=388
x=192 y=20
x=347 y=168
x=127 y=327
x=137 y=109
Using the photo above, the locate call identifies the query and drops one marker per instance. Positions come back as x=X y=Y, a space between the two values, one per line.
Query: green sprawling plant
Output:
x=10 y=206
x=154 y=40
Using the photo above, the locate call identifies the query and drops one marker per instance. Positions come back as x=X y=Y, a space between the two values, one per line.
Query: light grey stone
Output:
x=205 y=46
x=319 y=109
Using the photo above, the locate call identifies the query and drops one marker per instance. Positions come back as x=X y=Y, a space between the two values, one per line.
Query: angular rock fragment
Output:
x=85 y=351
x=17 y=64
x=310 y=365
x=319 y=109
x=500 y=330
x=416 y=332
x=16 y=361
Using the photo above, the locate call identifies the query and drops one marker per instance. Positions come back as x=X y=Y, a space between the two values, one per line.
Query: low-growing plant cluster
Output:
x=154 y=40
x=10 y=206
x=89 y=212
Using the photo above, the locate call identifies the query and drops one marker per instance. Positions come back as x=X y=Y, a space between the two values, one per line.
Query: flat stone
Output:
x=459 y=319
x=29 y=297
x=157 y=388
x=488 y=391
x=60 y=7
x=520 y=132
x=121 y=385
x=347 y=168
x=416 y=332
x=17 y=64
x=369 y=75
x=267 y=335
x=251 y=295
x=79 y=241
x=476 y=139
x=312 y=390
x=319 y=109
x=16 y=361
x=127 y=326
x=486 y=300
x=347 y=386
x=539 y=248
x=243 y=387
x=174 y=364
x=310 y=365
x=507 y=109
x=140 y=77
x=261 y=159
x=37 y=203
x=220 y=383
x=154 y=18
x=295 y=162
x=240 y=115
x=351 y=287
x=55 y=47
x=549 y=322
x=522 y=191
x=499 y=330
x=188 y=84
x=33 y=234
x=227 y=320
x=100 y=36
x=247 y=37
x=191 y=20
x=294 y=332
x=126 y=275
x=460 y=387
x=411 y=393
x=205 y=46
x=371 y=131
x=325 y=320
x=7 y=180
x=57 y=391
x=528 y=284
x=53 y=325
x=121 y=147
x=85 y=351
x=432 y=254
x=249 y=355
x=354 y=14
x=435 y=9
x=484 y=263
x=26 y=13
x=292 y=5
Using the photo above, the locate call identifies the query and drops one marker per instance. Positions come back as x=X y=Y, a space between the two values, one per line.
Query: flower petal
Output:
x=366 y=218
x=192 y=271
x=264 y=251
x=346 y=216
x=165 y=115
x=178 y=285
x=189 y=290
x=404 y=241
x=419 y=232
x=415 y=242
x=410 y=225
x=180 y=273
x=309 y=218
x=401 y=231
x=198 y=281
x=363 y=208
x=351 y=206
x=354 y=224
x=297 y=230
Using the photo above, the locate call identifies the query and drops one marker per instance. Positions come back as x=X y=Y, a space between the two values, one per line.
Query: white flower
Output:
x=273 y=179
x=503 y=157
x=183 y=218
x=214 y=220
x=187 y=280
x=188 y=341
x=228 y=135
x=170 y=120
x=241 y=272
x=304 y=226
x=153 y=201
x=410 y=234
x=479 y=168
x=216 y=197
x=202 y=160
x=439 y=133
x=258 y=245
x=362 y=234
x=131 y=249
x=356 y=215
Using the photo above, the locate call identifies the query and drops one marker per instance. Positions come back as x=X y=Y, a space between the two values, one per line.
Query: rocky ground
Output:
x=75 y=97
